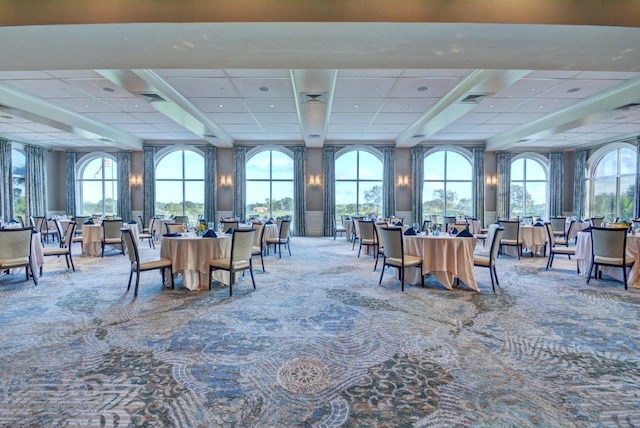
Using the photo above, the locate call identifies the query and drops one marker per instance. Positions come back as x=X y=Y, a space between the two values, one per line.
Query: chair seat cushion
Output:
x=614 y=261
x=561 y=241
x=255 y=250
x=225 y=264
x=510 y=242
x=112 y=241
x=55 y=251
x=154 y=264
x=408 y=261
x=276 y=240
x=368 y=242
x=11 y=263
x=145 y=236
x=481 y=261
x=563 y=250
x=77 y=239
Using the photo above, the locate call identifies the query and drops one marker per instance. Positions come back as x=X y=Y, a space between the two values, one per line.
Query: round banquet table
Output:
x=583 y=255
x=445 y=256
x=534 y=238
x=92 y=237
x=190 y=257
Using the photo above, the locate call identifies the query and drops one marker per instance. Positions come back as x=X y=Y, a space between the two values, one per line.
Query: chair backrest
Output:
x=242 y=244
x=511 y=229
x=392 y=242
x=61 y=233
x=367 y=230
x=81 y=219
x=446 y=220
x=15 y=243
x=229 y=224
x=257 y=239
x=459 y=226
x=550 y=238
x=21 y=220
x=527 y=219
x=284 y=229
x=132 y=245
x=68 y=236
x=38 y=223
x=378 y=235
x=495 y=243
x=607 y=242
x=569 y=227
x=426 y=225
x=174 y=227
x=181 y=219
x=597 y=221
x=111 y=229
x=558 y=224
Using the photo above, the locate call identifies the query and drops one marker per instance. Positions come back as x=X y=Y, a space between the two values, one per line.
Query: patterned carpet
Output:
x=320 y=344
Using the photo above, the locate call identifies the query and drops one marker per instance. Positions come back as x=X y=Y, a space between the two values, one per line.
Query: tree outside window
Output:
x=180 y=184
x=447 y=189
x=269 y=184
x=358 y=184
x=613 y=185
x=19 y=170
x=528 y=188
x=99 y=186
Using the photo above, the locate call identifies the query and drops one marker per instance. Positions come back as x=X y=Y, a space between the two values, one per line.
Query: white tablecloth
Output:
x=583 y=254
x=92 y=237
x=444 y=256
x=190 y=257
x=159 y=227
x=534 y=238
x=577 y=227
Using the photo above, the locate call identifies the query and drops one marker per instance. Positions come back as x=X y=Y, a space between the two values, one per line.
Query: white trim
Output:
x=597 y=155
x=169 y=149
x=450 y=148
x=254 y=151
x=373 y=150
x=536 y=156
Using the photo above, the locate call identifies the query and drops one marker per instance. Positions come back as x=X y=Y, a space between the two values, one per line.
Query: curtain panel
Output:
x=239 y=182
x=70 y=160
x=503 y=199
x=210 y=183
x=477 y=183
x=417 y=181
x=556 y=183
x=6 y=188
x=149 y=182
x=124 y=188
x=329 y=202
x=580 y=184
x=35 y=182
x=388 y=181
x=300 y=190
x=637 y=196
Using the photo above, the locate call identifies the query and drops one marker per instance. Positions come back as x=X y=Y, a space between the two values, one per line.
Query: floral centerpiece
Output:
x=201 y=228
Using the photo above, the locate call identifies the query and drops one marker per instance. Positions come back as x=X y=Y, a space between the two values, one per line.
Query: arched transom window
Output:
x=358 y=183
x=98 y=186
x=269 y=184
x=180 y=184
x=447 y=188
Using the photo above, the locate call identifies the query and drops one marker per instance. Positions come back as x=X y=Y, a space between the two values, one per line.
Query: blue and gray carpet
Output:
x=319 y=343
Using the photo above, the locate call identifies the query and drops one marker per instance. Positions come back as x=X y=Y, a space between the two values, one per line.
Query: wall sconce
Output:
x=135 y=181
x=314 y=181
x=491 y=180
x=226 y=180
x=403 y=181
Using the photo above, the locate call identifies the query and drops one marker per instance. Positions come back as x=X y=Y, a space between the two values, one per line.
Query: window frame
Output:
x=467 y=155
x=81 y=166
x=359 y=180
x=258 y=151
x=544 y=163
x=159 y=157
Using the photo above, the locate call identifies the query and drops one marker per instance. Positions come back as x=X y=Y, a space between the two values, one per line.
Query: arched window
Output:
x=269 y=184
x=180 y=183
x=98 y=185
x=613 y=185
x=528 y=187
x=447 y=188
x=358 y=183
x=18 y=165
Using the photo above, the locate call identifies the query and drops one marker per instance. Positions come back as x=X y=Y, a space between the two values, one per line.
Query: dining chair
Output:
x=565 y=240
x=355 y=232
x=609 y=248
x=20 y=220
x=15 y=251
x=61 y=233
x=446 y=221
x=597 y=221
x=37 y=224
x=229 y=224
x=174 y=228
x=258 y=242
x=137 y=266
x=394 y=256
x=340 y=228
x=380 y=244
x=556 y=248
x=147 y=232
x=367 y=236
x=181 y=219
x=511 y=235
x=239 y=260
x=559 y=224
x=111 y=234
x=282 y=238
x=65 y=247
x=490 y=261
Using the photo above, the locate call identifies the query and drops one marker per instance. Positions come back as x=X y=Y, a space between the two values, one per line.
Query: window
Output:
x=447 y=188
x=99 y=186
x=269 y=184
x=528 y=188
x=18 y=163
x=358 y=184
x=180 y=184
x=613 y=185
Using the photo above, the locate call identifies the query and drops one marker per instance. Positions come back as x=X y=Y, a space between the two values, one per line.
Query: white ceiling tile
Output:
x=514 y=118
x=386 y=128
x=40 y=127
x=415 y=87
x=136 y=127
x=46 y=88
x=112 y=118
x=131 y=105
x=491 y=128
x=251 y=88
x=85 y=105
x=246 y=128
x=220 y=105
x=8 y=128
x=360 y=73
x=407 y=105
x=347 y=128
x=363 y=88
x=172 y=128
x=447 y=73
x=406 y=118
x=355 y=105
x=475 y=117
x=277 y=105
x=223 y=118
x=250 y=136
x=351 y=117
x=204 y=87
x=284 y=136
x=543 y=105
x=345 y=135
x=280 y=127
x=528 y=88
x=152 y=117
x=586 y=88
x=24 y=75
x=276 y=117
x=625 y=128
x=498 y=105
x=101 y=88
x=186 y=72
x=258 y=73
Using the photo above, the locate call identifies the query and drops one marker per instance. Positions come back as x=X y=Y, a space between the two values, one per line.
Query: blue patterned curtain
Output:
x=149 y=182
x=210 y=183
x=503 y=202
x=556 y=183
x=299 y=190
x=239 y=183
x=580 y=184
x=70 y=160
x=329 y=212
x=6 y=187
x=388 y=181
x=417 y=181
x=477 y=183
x=637 y=213
x=35 y=182
x=124 y=189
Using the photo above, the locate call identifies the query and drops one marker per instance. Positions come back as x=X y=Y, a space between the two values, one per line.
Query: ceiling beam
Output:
x=313 y=93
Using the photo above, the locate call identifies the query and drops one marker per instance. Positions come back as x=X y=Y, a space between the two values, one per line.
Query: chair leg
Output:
x=401 y=272
x=71 y=260
x=382 y=272
x=253 y=281
x=624 y=275
x=591 y=270
x=262 y=261
x=289 y=245
x=135 y=291
x=130 y=276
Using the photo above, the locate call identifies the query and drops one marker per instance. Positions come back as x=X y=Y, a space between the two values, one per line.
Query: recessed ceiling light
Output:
x=264 y=89
x=540 y=106
x=422 y=88
x=407 y=106
x=573 y=90
x=220 y=105
x=86 y=106
x=356 y=106
x=136 y=105
x=271 y=105
x=108 y=89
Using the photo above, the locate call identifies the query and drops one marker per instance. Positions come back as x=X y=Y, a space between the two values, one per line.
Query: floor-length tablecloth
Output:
x=190 y=257
x=534 y=239
x=444 y=256
x=92 y=237
x=583 y=255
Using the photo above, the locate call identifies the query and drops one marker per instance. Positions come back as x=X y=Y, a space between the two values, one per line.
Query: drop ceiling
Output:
x=510 y=87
